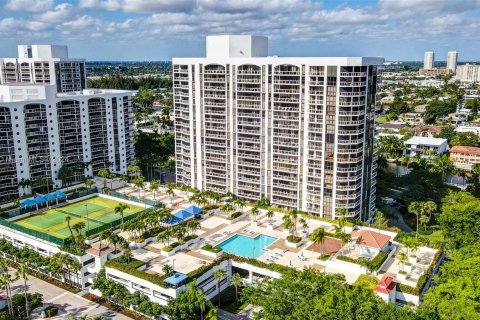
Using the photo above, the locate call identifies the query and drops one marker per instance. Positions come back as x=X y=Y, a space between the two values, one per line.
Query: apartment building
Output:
x=452 y=58
x=296 y=130
x=425 y=147
x=468 y=72
x=428 y=60
x=46 y=126
x=464 y=157
x=44 y=64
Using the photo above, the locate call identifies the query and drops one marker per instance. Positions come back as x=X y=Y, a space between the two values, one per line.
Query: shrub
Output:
x=235 y=215
x=366 y=281
x=379 y=260
x=190 y=237
x=51 y=311
x=209 y=247
x=323 y=257
x=348 y=259
x=171 y=246
x=294 y=239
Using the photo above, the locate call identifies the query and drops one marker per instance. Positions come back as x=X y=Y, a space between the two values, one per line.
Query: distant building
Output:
x=426 y=131
x=452 y=61
x=386 y=289
x=464 y=157
x=428 y=60
x=432 y=72
x=473 y=129
x=468 y=72
x=411 y=118
x=425 y=147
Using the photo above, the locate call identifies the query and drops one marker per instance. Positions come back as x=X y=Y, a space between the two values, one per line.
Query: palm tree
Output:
x=114 y=239
x=68 y=219
x=287 y=223
x=254 y=212
x=430 y=207
x=89 y=183
x=167 y=270
x=193 y=225
x=442 y=165
x=417 y=209
x=424 y=219
x=139 y=183
x=104 y=174
x=294 y=216
x=21 y=273
x=318 y=237
x=304 y=224
x=237 y=282
x=402 y=258
x=5 y=282
x=212 y=313
x=169 y=190
x=154 y=185
x=270 y=214
x=240 y=203
x=228 y=208
x=120 y=209
x=104 y=235
x=164 y=237
x=133 y=170
x=218 y=275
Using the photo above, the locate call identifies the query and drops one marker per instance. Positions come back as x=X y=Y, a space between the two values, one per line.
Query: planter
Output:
x=168 y=253
x=138 y=245
x=407 y=267
x=235 y=219
x=270 y=226
x=211 y=254
x=412 y=259
x=304 y=234
x=254 y=224
x=293 y=244
x=401 y=277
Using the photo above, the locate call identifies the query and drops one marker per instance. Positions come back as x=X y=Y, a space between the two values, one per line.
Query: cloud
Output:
x=60 y=13
x=147 y=6
x=29 y=5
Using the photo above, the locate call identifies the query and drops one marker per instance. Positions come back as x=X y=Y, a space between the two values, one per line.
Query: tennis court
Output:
x=94 y=212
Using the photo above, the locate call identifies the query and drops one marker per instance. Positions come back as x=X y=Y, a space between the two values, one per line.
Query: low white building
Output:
x=425 y=146
x=473 y=129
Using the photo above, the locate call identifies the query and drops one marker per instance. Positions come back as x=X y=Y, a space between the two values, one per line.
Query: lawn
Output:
x=93 y=212
x=381 y=119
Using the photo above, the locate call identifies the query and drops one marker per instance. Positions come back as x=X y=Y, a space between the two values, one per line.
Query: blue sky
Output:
x=160 y=29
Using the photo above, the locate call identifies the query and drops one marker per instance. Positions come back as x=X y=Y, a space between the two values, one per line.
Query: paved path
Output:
x=69 y=304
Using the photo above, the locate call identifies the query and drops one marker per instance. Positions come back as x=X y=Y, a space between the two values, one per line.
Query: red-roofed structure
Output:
x=371 y=239
x=386 y=288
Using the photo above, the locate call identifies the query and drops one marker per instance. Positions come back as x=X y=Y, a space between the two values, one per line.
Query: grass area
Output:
x=381 y=119
x=99 y=210
x=436 y=236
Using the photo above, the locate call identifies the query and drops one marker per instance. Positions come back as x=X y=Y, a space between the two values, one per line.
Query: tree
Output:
x=318 y=237
x=6 y=281
x=469 y=139
x=193 y=225
x=237 y=282
x=448 y=132
x=442 y=165
x=218 y=275
x=89 y=183
x=21 y=273
x=167 y=270
x=228 y=208
x=459 y=221
x=389 y=147
x=103 y=173
x=270 y=214
x=254 y=212
x=124 y=178
x=429 y=207
x=154 y=185
x=417 y=209
x=456 y=291
x=380 y=220
x=120 y=209
x=188 y=305
x=424 y=219
x=169 y=190
x=64 y=174
x=68 y=219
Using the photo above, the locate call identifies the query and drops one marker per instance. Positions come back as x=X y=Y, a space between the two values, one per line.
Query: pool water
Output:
x=247 y=247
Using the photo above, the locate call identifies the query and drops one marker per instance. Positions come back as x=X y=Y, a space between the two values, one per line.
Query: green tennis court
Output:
x=94 y=212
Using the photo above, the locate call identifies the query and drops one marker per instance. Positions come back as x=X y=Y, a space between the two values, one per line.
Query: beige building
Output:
x=432 y=72
x=464 y=157
x=468 y=72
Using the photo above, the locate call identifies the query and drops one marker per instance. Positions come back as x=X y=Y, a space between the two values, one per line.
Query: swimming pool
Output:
x=245 y=246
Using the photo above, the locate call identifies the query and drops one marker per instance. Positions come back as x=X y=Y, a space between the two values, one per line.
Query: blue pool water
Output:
x=245 y=246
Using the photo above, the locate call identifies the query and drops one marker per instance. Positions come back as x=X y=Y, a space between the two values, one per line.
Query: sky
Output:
x=139 y=30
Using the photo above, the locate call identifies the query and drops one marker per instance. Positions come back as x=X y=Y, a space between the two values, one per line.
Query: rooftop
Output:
x=426 y=141
x=371 y=239
x=465 y=149
x=385 y=285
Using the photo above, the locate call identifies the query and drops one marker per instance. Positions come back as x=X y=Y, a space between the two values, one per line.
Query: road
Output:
x=69 y=304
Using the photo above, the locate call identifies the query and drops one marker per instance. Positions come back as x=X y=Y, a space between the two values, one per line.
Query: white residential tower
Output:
x=428 y=60
x=296 y=130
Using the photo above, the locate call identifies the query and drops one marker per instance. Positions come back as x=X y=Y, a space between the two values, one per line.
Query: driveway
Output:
x=399 y=222
x=69 y=304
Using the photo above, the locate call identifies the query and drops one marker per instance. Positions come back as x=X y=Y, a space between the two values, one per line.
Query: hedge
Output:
x=50 y=311
x=190 y=237
x=379 y=260
x=126 y=268
x=208 y=247
x=171 y=246
x=348 y=259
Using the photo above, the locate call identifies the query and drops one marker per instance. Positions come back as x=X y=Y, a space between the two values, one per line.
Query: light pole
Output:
x=173 y=265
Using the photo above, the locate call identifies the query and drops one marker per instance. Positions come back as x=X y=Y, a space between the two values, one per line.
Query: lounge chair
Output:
x=269 y=260
x=245 y=230
x=252 y=232
x=279 y=254
x=274 y=258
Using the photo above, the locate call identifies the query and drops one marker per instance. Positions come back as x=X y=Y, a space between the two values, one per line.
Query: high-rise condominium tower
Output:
x=452 y=61
x=298 y=131
x=53 y=128
x=428 y=60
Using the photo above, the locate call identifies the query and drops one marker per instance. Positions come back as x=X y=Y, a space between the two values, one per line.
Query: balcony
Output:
x=353 y=74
